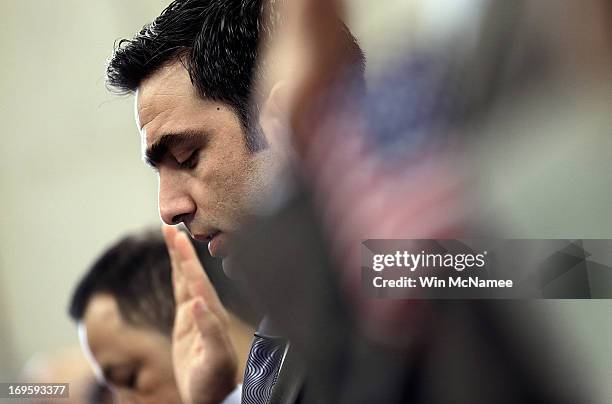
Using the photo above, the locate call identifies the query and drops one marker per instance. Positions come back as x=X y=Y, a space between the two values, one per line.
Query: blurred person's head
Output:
x=193 y=71
x=125 y=309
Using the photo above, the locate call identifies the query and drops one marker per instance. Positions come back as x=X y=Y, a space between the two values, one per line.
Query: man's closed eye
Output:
x=190 y=162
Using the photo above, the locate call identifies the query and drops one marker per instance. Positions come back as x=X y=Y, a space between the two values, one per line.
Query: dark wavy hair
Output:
x=218 y=43
x=216 y=40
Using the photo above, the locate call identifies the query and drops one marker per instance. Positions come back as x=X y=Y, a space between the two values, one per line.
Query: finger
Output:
x=169 y=233
x=209 y=325
x=197 y=281
x=179 y=283
x=183 y=322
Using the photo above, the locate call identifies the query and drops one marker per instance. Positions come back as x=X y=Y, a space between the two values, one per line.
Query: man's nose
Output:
x=175 y=203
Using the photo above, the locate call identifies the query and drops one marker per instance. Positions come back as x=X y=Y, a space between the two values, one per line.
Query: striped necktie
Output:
x=263 y=366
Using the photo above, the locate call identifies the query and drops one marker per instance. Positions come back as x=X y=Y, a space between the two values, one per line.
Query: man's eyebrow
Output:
x=156 y=152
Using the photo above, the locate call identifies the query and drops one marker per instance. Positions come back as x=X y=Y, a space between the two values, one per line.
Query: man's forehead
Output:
x=102 y=309
x=167 y=88
x=100 y=324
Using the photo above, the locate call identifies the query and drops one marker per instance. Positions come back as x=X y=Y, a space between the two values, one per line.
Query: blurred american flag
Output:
x=387 y=165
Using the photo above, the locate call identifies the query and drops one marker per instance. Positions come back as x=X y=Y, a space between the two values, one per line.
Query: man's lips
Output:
x=205 y=237
x=215 y=243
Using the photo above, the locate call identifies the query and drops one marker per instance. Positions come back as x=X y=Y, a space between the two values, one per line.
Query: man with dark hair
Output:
x=216 y=43
x=193 y=72
x=125 y=309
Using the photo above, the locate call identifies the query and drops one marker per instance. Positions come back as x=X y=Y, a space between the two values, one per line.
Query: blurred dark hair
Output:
x=218 y=43
x=136 y=271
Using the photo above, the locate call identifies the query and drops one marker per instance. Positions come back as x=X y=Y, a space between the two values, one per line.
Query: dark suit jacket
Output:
x=468 y=351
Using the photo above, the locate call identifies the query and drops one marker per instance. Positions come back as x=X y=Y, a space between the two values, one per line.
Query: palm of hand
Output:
x=204 y=359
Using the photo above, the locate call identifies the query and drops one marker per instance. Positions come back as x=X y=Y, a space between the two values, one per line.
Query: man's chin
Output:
x=230 y=268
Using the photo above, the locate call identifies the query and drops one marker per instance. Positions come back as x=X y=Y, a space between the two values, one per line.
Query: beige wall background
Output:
x=71 y=181
x=70 y=176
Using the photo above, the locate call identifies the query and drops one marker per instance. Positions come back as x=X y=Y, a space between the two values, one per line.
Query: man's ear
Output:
x=273 y=116
x=84 y=342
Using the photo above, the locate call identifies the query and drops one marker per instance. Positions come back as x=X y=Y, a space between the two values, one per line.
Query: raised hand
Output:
x=205 y=362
